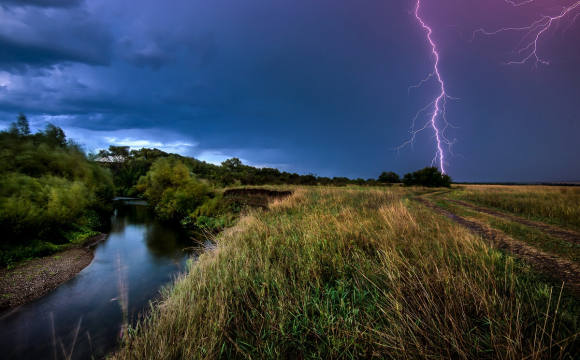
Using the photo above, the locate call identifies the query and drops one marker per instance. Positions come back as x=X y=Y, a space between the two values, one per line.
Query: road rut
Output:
x=562 y=270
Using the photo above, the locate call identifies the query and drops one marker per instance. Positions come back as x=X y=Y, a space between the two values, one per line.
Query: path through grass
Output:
x=557 y=205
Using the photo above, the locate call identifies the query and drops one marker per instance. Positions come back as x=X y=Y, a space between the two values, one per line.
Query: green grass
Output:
x=341 y=273
x=555 y=205
x=11 y=254
x=533 y=237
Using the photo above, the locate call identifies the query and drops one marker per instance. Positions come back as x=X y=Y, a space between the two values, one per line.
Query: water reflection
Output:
x=145 y=251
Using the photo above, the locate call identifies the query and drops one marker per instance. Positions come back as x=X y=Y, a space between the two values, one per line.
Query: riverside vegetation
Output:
x=353 y=273
x=189 y=191
x=51 y=194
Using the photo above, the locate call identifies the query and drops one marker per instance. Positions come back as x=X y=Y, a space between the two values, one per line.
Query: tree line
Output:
x=129 y=165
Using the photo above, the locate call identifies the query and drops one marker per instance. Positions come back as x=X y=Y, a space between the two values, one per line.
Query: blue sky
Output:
x=315 y=86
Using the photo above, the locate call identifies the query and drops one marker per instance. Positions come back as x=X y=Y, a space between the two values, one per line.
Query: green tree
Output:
x=429 y=176
x=23 y=125
x=115 y=159
x=389 y=177
x=234 y=164
x=54 y=135
x=50 y=192
x=171 y=189
x=20 y=127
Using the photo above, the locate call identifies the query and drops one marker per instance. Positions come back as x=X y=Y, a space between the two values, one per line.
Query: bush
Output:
x=214 y=214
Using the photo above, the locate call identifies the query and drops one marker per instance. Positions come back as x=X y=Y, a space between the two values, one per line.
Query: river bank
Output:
x=140 y=255
x=32 y=279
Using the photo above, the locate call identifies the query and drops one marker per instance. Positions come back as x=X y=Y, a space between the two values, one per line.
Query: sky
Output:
x=306 y=86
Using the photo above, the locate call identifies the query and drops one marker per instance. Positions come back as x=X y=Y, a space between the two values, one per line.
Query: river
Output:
x=83 y=317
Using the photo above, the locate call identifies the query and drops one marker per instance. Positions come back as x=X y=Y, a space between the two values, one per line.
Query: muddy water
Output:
x=139 y=255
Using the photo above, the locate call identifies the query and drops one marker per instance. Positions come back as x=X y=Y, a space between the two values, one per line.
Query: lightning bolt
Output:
x=528 y=47
x=437 y=105
x=558 y=17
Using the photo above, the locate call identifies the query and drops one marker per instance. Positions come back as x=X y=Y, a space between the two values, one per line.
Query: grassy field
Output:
x=557 y=205
x=356 y=273
x=536 y=238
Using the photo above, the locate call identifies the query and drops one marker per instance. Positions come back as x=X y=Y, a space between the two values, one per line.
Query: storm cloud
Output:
x=41 y=3
x=313 y=86
x=32 y=38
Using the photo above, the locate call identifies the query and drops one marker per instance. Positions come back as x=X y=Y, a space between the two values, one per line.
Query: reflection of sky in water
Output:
x=130 y=201
x=139 y=249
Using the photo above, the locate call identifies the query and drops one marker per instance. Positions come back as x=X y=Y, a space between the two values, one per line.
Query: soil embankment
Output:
x=562 y=270
x=34 y=278
x=255 y=197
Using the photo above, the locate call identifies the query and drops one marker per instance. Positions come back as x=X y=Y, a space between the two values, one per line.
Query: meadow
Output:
x=558 y=205
x=356 y=273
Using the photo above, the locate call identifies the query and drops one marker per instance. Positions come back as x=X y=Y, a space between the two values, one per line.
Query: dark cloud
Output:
x=42 y=3
x=311 y=85
x=36 y=38
x=161 y=50
x=15 y=55
x=149 y=54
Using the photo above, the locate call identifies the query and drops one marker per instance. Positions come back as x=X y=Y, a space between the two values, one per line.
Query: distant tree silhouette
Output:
x=52 y=135
x=234 y=164
x=389 y=177
x=23 y=125
x=20 y=127
x=429 y=176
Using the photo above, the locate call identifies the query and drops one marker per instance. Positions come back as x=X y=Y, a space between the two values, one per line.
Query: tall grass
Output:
x=557 y=205
x=337 y=273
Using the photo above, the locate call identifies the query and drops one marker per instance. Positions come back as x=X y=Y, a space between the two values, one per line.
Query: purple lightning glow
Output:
x=527 y=50
x=528 y=47
x=438 y=104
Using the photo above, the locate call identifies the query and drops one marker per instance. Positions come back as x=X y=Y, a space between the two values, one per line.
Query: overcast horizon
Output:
x=313 y=86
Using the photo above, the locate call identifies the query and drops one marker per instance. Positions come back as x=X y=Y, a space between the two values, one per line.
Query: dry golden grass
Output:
x=343 y=273
x=559 y=205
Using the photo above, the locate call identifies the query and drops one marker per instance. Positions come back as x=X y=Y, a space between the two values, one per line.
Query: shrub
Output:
x=214 y=214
